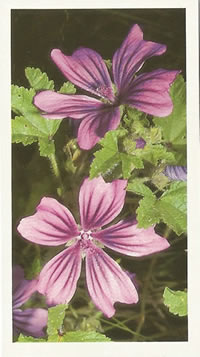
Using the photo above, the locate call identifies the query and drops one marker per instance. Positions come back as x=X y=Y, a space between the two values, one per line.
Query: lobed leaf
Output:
x=140 y=188
x=173 y=207
x=174 y=126
x=85 y=336
x=56 y=316
x=37 y=79
x=176 y=301
x=147 y=213
x=67 y=88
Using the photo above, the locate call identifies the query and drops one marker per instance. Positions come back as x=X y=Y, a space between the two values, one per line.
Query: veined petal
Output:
x=58 y=106
x=22 y=289
x=30 y=322
x=100 y=202
x=86 y=69
x=107 y=283
x=59 y=276
x=125 y=237
x=129 y=58
x=52 y=224
x=176 y=173
x=149 y=92
x=97 y=123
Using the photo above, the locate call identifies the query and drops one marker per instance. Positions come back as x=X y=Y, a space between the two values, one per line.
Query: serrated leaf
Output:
x=23 y=338
x=109 y=156
x=24 y=132
x=174 y=126
x=176 y=301
x=21 y=99
x=84 y=336
x=147 y=212
x=156 y=153
x=37 y=79
x=140 y=188
x=46 y=146
x=56 y=316
x=129 y=162
x=30 y=126
x=67 y=88
x=172 y=206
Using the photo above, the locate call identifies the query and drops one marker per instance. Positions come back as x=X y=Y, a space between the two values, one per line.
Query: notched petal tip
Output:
x=107 y=283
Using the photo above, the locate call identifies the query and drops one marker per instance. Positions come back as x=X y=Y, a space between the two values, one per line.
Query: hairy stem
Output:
x=56 y=171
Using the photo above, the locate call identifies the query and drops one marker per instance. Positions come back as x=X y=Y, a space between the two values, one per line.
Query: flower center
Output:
x=85 y=236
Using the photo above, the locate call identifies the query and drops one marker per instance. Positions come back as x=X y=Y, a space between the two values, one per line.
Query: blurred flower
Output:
x=148 y=92
x=133 y=278
x=140 y=143
x=53 y=225
x=30 y=322
x=177 y=173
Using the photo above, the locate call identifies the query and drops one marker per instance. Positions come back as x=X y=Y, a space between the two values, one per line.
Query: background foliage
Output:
x=156 y=317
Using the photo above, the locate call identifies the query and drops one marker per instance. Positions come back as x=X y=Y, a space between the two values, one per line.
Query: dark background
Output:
x=34 y=34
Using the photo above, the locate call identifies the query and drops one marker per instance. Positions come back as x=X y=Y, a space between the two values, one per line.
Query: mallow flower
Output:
x=147 y=92
x=54 y=225
x=31 y=321
x=176 y=173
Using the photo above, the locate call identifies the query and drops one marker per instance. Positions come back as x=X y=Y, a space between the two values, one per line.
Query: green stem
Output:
x=56 y=171
x=144 y=296
x=121 y=326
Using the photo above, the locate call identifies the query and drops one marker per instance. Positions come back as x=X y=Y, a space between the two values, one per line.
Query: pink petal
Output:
x=100 y=202
x=30 y=322
x=149 y=92
x=59 y=276
x=125 y=237
x=129 y=58
x=52 y=224
x=86 y=69
x=95 y=126
x=58 y=106
x=107 y=283
x=22 y=289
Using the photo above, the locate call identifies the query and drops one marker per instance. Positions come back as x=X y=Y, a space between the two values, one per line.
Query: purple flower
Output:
x=177 y=173
x=140 y=143
x=53 y=225
x=30 y=322
x=148 y=92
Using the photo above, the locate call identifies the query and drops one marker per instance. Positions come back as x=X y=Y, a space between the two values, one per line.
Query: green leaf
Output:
x=156 y=153
x=33 y=269
x=37 y=79
x=56 y=316
x=147 y=212
x=108 y=63
x=67 y=88
x=30 y=126
x=176 y=301
x=172 y=206
x=24 y=132
x=23 y=338
x=140 y=188
x=109 y=156
x=21 y=99
x=174 y=126
x=46 y=146
x=84 y=336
